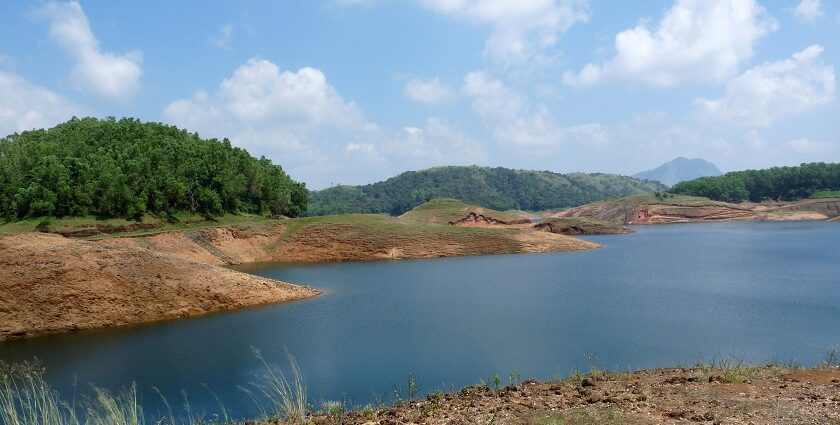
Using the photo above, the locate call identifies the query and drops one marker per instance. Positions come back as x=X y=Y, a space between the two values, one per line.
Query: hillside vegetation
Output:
x=497 y=188
x=777 y=183
x=125 y=168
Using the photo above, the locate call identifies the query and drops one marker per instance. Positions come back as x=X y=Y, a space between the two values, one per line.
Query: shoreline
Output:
x=55 y=284
x=153 y=277
x=721 y=394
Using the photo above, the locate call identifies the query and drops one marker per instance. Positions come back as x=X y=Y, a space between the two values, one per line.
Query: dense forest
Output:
x=126 y=168
x=496 y=188
x=777 y=183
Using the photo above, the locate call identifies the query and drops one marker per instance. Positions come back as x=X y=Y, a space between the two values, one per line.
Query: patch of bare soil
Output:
x=641 y=211
x=580 y=226
x=755 y=395
x=54 y=284
x=473 y=219
x=341 y=242
x=218 y=245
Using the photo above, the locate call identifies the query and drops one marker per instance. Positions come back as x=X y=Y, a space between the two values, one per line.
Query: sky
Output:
x=356 y=91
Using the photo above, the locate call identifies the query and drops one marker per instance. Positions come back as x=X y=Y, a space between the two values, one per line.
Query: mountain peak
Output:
x=680 y=169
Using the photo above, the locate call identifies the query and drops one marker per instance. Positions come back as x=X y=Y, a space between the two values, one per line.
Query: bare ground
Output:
x=50 y=283
x=647 y=210
x=743 y=395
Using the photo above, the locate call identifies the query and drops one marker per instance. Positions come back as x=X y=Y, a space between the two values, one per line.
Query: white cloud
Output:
x=436 y=143
x=514 y=121
x=808 y=10
x=775 y=89
x=805 y=145
x=522 y=30
x=224 y=37
x=262 y=108
x=105 y=75
x=300 y=121
x=429 y=92
x=24 y=106
x=696 y=41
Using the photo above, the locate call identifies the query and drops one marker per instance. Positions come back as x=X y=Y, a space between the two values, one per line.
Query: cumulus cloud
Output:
x=301 y=121
x=106 y=75
x=438 y=142
x=522 y=30
x=775 y=89
x=269 y=110
x=695 y=41
x=429 y=92
x=514 y=121
x=808 y=10
x=24 y=106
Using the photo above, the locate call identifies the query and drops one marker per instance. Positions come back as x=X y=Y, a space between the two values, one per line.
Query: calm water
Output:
x=666 y=295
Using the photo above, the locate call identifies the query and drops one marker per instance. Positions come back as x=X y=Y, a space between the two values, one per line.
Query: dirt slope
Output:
x=53 y=284
x=682 y=209
x=455 y=212
x=580 y=226
x=753 y=395
x=50 y=283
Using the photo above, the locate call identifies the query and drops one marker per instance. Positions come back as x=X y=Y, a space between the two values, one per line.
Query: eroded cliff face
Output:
x=644 y=211
x=473 y=219
x=54 y=284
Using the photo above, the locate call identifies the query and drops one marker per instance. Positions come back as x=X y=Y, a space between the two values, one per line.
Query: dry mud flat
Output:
x=52 y=284
x=748 y=395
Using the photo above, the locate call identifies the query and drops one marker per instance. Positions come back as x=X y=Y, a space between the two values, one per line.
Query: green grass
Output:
x=824 y=194
x=27 y=399
x=156 y=224
x=445 y=210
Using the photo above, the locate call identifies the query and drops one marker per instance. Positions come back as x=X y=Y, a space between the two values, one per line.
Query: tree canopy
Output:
x=496 y=188
x=777 y=183
x=126 y=168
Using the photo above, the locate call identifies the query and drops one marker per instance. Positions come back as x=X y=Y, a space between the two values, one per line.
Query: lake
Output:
x=667 y=295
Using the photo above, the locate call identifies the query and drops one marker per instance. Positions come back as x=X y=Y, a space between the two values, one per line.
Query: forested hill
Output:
x=126 y=168
x=496 y=188
x=778 y=183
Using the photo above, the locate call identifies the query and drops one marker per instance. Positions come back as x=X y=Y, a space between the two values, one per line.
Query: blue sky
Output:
x=354 y=91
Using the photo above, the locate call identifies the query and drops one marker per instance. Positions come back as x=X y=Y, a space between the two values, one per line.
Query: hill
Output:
x=818 y=179
x=496 y=188
x=453 y=211
x=680 y=169
x=669 y=208
x=126 y=168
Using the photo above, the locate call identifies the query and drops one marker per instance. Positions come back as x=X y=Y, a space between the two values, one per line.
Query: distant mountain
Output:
x=678 y=170
x=496 y=188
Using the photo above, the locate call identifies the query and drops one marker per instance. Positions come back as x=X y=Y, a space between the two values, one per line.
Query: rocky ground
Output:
x=713 y=395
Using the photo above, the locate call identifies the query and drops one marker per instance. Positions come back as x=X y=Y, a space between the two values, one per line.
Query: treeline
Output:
x=126 y=168
x=497 y=188
x=777 y=183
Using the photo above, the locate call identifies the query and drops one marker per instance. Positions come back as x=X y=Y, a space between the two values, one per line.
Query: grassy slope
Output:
x=445 y=211
x=120 y=227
